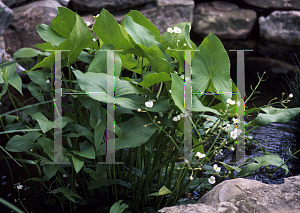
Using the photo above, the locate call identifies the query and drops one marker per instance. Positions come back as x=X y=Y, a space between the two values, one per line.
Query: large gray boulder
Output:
x=13 y=2
x=167 y=13
x=281 y=26
x=275 y=4
x=26 y=18
x=6 y=16
x=95 y=6
x=247 y=196
x=224 y=19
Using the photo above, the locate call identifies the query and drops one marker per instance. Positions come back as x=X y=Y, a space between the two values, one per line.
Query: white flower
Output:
x=149 y=104
x=175 y=72
x=161 y=114
x=139 y=110
x=186 y=161
x=212 y=180
x=177 y=30
x=183 y=115
x=228 y=125
x=178 y=41
x=218 y=169
x=168 y=48
x=230 y=101
x=170 y=30
x=184 y=44
x=187 y=78
x=237 y=121
x=64 y=175
x=232 y=148
x=88 y=23
x=94 y=39
x=250 y=137
x=235 y=133
x=238 y=103
x=191 y=178
x=291 y=95
x=182 y=76
x=200 y=155
x=176 y=118
x=48 y=81
x=170 y=91
x=19 y=186
x=221 y=151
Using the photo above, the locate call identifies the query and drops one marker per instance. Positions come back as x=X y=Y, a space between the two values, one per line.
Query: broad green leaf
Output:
x=48 y=147
x=78 y=164
x=13 y=78
x=22 y=143
x=211 y=65
x=109 y=31
x=118 y=208
x=81 y=130
x=134 y=133
x=163 y=191
x=50 y=170
x=45 y=46
x=177 y=89
x=139 y=33
x=155 y=78
x=69 y=194
x=5 y=80
x=140 y=19
x=47 y=62
x=64 y=22
x=80 y=38
x=197 y=106
x=49 y=35
x=277 y=115
x=86 y=150
x=159 y=106
x=28 y=53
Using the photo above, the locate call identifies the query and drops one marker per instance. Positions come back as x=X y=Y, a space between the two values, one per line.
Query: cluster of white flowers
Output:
x=231 y=102
x=175 y=30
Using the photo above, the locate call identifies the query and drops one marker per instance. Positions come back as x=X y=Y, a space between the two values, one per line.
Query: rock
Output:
x=64 y=3
x=13 y=2
x=281 y=26
x=220 y=193
x=6 y=17
x=224 y=19
x=167 y=13
x=247 y=196
x=95 y=6
x=275 y=4
x=2 y=43
x=22 y=32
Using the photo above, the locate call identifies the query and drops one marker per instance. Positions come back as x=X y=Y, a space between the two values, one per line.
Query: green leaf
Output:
x=78 y=164
x=199 y=107
x=155 y=78
x=64 y=22
x=22 y=143
x=211 y=65
x=163 y=191
x=80 y=38
x=44 y=46
x=48 y=147
x=177 y=89
x=139 y=33
x=110 y=32
x=28 y=53
x=69 y=194
x=13 y=78
x=277 y=115
x=50 y=170
x=86 y=150
x=49 y=35
x=117 y=208
x=140 y=19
